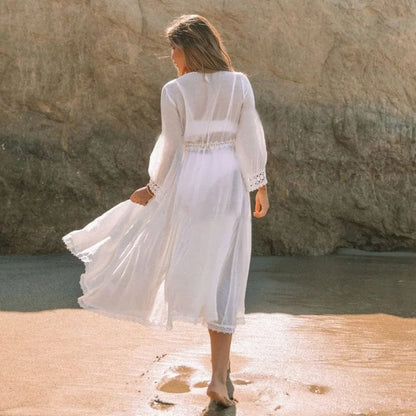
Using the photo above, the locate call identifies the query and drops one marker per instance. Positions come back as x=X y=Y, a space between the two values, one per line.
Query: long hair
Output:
x=200 y=42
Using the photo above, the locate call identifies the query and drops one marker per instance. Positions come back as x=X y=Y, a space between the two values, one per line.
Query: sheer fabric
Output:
x=198 y=115
x=185 y=255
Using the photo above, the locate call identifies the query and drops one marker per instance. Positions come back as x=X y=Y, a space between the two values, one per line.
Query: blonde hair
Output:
x=200 y=42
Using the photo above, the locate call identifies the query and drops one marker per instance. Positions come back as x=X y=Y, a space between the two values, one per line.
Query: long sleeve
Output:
x=250 y=142
x=167 y=153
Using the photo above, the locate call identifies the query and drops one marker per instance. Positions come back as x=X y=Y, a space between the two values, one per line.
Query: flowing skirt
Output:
x=185 y=255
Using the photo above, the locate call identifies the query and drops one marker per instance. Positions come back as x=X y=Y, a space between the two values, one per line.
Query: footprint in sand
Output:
x=241 y=382
x=159 y=404
x=176 y=380
x=318 y=389
x=201 y=384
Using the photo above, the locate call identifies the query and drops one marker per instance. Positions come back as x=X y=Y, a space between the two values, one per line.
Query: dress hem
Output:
x=145 y=322
x=71 y=246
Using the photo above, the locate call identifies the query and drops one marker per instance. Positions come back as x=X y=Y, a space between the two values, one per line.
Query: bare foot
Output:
x=218 y=393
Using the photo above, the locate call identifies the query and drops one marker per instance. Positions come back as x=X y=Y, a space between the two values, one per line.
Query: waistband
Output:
x=204 y=146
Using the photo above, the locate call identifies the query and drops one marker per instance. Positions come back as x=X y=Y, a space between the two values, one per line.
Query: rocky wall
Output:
x=335 y=86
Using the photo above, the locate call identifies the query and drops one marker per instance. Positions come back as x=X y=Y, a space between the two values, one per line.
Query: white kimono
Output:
x=186 y=254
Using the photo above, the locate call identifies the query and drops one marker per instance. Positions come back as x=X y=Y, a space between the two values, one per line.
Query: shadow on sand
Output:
x=215 y=409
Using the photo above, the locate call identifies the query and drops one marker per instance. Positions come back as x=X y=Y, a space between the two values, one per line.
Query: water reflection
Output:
x=345 y=283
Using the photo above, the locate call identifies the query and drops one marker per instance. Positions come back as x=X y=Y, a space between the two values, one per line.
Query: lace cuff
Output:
x=154 y=187
x=256 y=181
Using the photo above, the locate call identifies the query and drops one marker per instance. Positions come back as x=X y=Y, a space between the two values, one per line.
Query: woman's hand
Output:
x=262 y=202
x=141 y=196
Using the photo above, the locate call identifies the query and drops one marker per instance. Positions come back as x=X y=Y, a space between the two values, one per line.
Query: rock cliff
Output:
x=335 y=85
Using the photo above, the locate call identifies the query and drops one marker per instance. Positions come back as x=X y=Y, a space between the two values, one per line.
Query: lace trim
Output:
x=225 y=329
x=202 y=146
x=256 y=181
x=154 y=187
x=70 y=245
x=214 y=326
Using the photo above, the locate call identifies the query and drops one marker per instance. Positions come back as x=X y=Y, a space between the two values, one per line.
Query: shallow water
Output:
x=353 y=282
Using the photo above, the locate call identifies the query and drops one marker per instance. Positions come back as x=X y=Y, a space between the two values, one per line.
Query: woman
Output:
x=181 y=250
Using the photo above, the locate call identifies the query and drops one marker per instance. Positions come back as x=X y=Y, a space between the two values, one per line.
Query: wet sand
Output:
x=325 y=336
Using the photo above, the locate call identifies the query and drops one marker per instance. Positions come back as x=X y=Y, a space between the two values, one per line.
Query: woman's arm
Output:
x=251 y=150
x=166 y=154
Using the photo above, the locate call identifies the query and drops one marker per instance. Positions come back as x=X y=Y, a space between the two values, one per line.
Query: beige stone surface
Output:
x=335 y=85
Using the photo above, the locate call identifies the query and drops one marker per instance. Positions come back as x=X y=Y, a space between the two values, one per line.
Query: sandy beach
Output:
x=325 y=336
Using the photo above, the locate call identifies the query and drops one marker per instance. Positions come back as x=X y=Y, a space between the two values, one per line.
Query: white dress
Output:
x=186 y=254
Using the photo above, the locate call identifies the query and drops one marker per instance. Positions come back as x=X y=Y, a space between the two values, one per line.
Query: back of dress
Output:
x=211 y=108
x=204 y=111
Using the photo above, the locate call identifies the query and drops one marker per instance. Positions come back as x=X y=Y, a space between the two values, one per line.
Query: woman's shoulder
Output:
x=170 y=90
x=233 y=75
x=240 y=74
x=241 y=78
x=189 y=80
x=170 y=85
x=193 y=76
x=244 y=77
